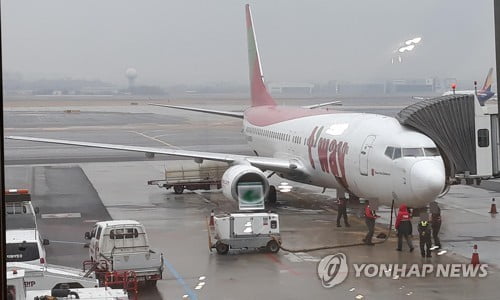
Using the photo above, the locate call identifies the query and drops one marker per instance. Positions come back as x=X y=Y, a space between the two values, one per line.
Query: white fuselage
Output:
x=349 y=151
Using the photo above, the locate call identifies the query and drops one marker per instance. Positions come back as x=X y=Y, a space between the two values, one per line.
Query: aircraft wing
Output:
x=234 y=114
x=337 y=102
x=263 y=163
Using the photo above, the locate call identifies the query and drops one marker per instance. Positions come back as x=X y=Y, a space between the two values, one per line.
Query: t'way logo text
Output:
x=331 y=154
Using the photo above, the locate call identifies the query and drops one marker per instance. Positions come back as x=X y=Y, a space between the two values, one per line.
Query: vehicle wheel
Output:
x=221 y=248
x=271 y=197
x=178 y=189
x=273 y=246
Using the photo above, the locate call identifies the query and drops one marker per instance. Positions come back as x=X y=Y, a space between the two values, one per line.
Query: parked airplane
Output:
x=484 y=94
x=366 y=155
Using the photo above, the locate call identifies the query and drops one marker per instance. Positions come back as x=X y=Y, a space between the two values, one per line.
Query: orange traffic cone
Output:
x=212 y=218
x=475 y=256
x=493 y=209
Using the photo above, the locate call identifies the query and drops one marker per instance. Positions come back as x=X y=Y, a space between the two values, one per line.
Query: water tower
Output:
x=131 y=75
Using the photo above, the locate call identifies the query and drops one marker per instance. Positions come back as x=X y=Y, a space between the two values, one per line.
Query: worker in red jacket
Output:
x=370 y=217
x=404 y=227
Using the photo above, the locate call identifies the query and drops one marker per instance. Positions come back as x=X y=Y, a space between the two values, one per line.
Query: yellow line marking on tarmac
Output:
x=155 y=139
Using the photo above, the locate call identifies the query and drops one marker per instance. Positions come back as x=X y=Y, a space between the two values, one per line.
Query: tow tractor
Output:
x=241 y=231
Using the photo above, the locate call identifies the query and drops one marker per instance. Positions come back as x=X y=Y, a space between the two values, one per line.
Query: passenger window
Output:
x=431 y=152
x=483 y=137
x=389 y=151
x=397 y=153
x=413 y=152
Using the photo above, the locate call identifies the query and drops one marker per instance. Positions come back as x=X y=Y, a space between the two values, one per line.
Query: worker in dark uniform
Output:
x=370 y=217
x=404 y=227
x=435 y=222
x=424 y=231
x=342 y=211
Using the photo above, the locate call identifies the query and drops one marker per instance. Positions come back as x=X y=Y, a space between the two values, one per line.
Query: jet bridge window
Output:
x=483 y=137
x=413 y=152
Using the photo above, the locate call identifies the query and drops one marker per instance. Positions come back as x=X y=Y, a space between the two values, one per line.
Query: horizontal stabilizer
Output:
x=233 y=114
x=337 y=103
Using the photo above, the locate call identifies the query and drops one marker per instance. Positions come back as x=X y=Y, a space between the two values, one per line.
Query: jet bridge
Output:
x=465 y=132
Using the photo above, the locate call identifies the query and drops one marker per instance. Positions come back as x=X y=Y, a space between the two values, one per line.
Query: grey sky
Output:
x=200 y=41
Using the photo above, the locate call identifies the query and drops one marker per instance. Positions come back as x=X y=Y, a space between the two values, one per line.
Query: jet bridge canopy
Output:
x=450 y=121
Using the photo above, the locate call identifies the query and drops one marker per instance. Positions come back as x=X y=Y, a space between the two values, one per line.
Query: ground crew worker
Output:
x=342 y=211
x=424 y=231
x=404 y=227
x=370 y=217
x=435 y=222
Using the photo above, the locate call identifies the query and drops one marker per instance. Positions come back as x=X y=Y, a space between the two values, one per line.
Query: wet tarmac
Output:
x=100 y=185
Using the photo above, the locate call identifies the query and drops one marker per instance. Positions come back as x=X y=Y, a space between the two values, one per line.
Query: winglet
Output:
x=489 y=81
x=259 y=94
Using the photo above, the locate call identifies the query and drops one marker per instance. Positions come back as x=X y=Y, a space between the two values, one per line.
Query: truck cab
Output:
x=123 y=245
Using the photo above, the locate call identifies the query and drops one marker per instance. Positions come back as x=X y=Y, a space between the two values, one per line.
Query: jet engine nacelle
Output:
x=238 y=174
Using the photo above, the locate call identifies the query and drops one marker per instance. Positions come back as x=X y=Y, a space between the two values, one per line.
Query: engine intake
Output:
x=239 y=175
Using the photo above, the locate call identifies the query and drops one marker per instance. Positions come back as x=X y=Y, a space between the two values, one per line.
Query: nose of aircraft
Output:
x=427 y=179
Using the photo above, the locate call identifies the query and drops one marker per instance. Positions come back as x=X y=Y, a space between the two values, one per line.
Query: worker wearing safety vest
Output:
x=424 y=231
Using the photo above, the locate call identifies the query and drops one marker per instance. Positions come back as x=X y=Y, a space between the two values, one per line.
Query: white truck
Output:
x=23 y=241
x=16 y=291
x=52 y=277
x=245 y=231
x=18 y=202
x=190 y=175
x=122 y=245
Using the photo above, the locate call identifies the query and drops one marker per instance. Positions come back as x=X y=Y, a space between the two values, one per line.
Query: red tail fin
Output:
x=260 y=95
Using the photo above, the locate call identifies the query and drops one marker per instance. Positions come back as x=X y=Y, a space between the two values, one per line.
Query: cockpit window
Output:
x=397 y=153
x=413 y=152
x=389 y=151
x=431 y=152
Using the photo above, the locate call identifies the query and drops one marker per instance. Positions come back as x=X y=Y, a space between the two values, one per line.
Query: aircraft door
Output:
x=365 y=154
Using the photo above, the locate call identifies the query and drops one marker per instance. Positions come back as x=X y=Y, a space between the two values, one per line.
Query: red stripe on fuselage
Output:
x=269 y=115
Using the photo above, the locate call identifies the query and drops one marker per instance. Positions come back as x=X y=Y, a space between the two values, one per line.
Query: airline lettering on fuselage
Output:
x=331 y=154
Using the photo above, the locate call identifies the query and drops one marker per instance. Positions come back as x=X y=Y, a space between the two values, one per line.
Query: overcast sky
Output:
x=201 y=41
